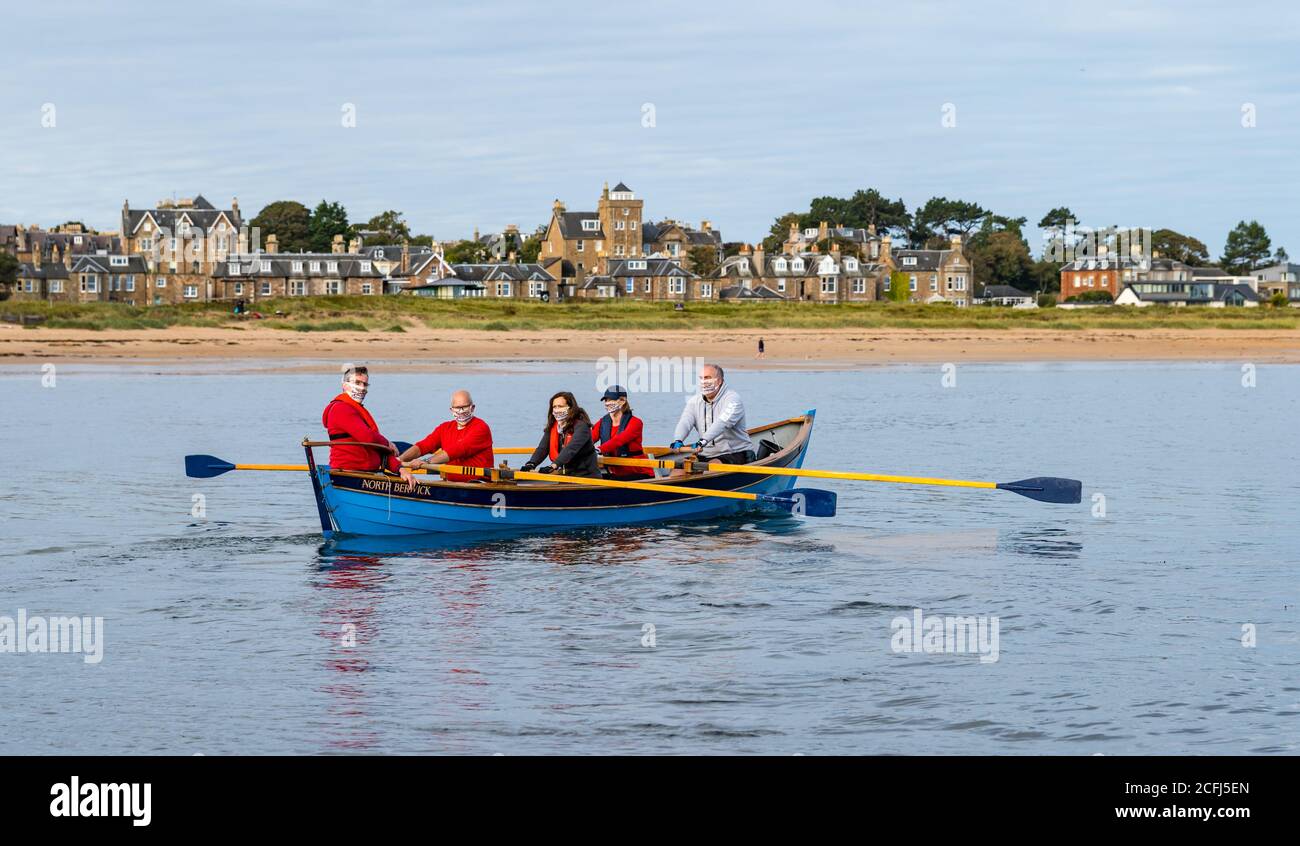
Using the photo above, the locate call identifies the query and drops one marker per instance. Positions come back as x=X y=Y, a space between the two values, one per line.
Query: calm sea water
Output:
x=1120 y=633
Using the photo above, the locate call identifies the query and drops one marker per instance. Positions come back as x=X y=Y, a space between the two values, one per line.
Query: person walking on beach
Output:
x=718 y=415
x=346 y=419
x=762 y=350
x=464 y=439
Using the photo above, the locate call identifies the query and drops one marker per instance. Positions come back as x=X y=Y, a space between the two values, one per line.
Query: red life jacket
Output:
x=607 y=431
x=556 y=444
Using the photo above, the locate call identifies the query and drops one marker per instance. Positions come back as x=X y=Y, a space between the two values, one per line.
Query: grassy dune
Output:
x=397 y=314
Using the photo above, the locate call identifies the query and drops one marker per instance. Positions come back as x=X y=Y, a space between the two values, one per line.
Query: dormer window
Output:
x=909 y=260
x=797 y=265
x=365 y=267
x=233 y=268
x=314 y=267
x=851 y=264
x=590 y=225
x=379 y=254
x=117 y=261
x=636 y=265
x=332 y=267
x=266 y=266
x=779 y=265
x=297 y=267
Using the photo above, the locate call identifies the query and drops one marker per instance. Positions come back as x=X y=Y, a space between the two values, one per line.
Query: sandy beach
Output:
x=786 y=348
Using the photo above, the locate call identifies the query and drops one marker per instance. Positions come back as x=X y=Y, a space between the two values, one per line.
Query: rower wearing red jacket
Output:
x=345 y=419
x=619 y=434
x=464 y=439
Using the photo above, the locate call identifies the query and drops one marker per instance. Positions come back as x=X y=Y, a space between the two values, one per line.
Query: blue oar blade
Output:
x=1047 y=489
x=806 y=502
x=206 y=466
x=402 y=446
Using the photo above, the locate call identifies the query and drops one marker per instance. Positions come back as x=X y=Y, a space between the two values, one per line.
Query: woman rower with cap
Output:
x=619 y=435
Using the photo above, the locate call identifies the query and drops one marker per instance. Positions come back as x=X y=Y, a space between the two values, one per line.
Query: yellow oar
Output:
x=1042 y=488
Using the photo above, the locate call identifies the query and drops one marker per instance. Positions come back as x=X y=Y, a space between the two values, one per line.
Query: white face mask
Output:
x=613 y=406
x=463 y=417
x=560 y=414
x=357 y=392
x=710 y=386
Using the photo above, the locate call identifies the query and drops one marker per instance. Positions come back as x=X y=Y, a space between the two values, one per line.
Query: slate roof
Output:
x=282 y=266
x=999 y=291
x=102 y=264
x=502 y=272
x=203 y=215
x=740 y=292
x=926 y=260
x=653 y=267
x=571 y=225
x=393 y=252
x=621 y=187
x=46 y=271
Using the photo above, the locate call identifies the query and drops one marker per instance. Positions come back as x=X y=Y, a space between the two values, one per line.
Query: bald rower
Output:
x=464 y=439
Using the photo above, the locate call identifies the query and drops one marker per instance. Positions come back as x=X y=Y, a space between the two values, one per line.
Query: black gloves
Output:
x=528 y=467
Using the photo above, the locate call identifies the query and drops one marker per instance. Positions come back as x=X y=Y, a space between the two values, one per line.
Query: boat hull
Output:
x=369 y=504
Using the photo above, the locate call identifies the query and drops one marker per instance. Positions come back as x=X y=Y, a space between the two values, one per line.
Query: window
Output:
x=631 y=224
x=191 y=292
x=961 y=282
x=779 y=265
x=780 y=286
x=909 y=260
x=911 y=286
x=333 y=287
x=646 y=288
x=89 y=283
x=76 y=239
x=536 y=289
x=674 y=249
x=157 y=300
x=233 y=268
x=161 y=282
x=27 y=285
x=851 y=264
x=266 y=266
x=934 y=282
x=590 y=225
x=332 y=267
x=366 y=288
x=579 y=246
x=618 y=249
x=625 y=212
x=503 y=289
x=636 y=265
x=130 y=282
x=797 y=266
x=266 y=288
x=146 y=245
x=676 y=285
x=706 y=291
x=618 y=225
x=379 y=254
x=365 y=267
x=314 y=267
x=297 y=287
x=859 y=286
x=56 y=286
x=117 y=261
x=629 y=285
x=828 y=285
x=296 y=267
x=239 y=288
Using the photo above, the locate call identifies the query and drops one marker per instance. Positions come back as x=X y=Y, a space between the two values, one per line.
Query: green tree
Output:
x=900 y=287
x=289 y=221
x=1055 y=223
x=327 y=220
x=1184 y=248
x=1247 y=247
x=390 y=226
x=1280 y=256
x=8 y=274
x=466 y=252
x=532 y=246
x=781 y=230
x=941 y=217
x=702 y=260
x=1002 y=258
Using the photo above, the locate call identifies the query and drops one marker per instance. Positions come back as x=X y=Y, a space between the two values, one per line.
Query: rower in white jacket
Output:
x=718 y=415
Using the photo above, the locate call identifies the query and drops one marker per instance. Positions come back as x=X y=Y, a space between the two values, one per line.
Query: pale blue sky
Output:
x=482 y=114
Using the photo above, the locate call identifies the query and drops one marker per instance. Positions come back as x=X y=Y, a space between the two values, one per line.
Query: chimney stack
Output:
x=272 y=243
x=558 y=207
x=354 y=246
x=705 y=226
x=822 y=231
x=885 y=256
x=337 y=247
x=954 y=242
x=406 y=258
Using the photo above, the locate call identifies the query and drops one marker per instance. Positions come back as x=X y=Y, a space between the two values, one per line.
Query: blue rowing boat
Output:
x=376 y=505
